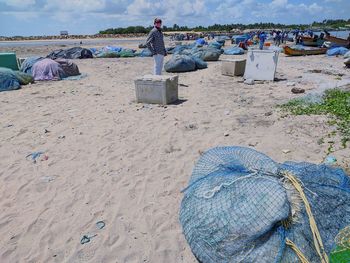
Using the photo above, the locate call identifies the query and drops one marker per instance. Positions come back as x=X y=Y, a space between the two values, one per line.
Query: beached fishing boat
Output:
x=304 y=51
x=311 y=42
x=337 y=41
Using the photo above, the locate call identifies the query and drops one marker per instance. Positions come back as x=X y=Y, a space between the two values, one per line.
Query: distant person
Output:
x=274 y=34
x=155 y=43
x=278 y=38
x=262 y=38
x=297 y=37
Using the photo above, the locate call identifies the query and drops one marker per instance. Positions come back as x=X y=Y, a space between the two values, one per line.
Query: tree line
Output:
x=325 y=24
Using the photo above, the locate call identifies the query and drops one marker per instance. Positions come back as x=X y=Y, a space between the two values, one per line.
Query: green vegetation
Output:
x=334 y=24
x=335 y=103
x=325 y=24
x=127 y=30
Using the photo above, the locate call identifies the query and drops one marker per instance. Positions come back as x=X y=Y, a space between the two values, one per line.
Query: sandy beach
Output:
x=108 y=158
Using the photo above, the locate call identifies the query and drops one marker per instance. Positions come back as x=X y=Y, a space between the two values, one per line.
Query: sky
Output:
x=49 y=17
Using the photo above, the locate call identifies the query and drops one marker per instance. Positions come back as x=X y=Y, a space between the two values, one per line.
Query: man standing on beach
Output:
x=262 y=38
x=155 y=43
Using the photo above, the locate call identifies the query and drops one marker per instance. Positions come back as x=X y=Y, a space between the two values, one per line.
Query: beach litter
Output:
x=241 y=206
x=87 y=238
x=297 y=90
x=330 y=160
x=34 y=156
x=47 y=179
x=249 y=82
x=100 y=224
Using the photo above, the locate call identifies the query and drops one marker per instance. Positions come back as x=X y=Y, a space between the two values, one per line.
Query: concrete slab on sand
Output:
x=157 y=89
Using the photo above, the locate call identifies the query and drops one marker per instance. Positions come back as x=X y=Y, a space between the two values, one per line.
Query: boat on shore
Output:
x=337 y=41
x=303 y=51
x=312 y=42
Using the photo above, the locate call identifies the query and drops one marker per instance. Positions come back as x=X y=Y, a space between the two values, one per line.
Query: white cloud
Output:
x=22 y=15
x=315 y=8
x=146 y=8
x=231 y=9
x=277 y=4
x=303 y=9
x=76 y=6
x=18 y=3
x=168 y=9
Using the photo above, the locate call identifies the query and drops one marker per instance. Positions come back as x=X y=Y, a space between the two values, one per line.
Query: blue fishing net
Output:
x=8 y=80
x=239 y=207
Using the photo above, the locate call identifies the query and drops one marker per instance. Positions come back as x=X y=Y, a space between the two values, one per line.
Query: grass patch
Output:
x=335 y=104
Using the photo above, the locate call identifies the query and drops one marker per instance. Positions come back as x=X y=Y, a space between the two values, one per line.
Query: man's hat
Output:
x=156 y=20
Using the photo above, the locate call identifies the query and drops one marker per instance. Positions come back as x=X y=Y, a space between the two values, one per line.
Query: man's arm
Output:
x=149 y=42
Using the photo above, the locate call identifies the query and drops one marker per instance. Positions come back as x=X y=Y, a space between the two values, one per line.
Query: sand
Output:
x=109 y=158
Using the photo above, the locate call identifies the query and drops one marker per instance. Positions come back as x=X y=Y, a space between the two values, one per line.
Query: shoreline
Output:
x=133 y=35
x=68 y=39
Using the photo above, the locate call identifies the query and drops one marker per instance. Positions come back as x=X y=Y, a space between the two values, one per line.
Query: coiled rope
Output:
x=315 y=233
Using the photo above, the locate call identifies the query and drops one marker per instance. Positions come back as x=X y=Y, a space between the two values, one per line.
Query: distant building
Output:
x=64 y=33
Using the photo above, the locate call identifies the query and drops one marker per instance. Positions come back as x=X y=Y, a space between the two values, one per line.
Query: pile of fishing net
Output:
x=241 y=206
x=12 y=80
x=184 y=63
x=234 y=51
x=71 y=53
x=48 y=69
x=114 y=52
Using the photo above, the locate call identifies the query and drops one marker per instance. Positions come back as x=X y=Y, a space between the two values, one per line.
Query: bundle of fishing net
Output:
x=241 y=206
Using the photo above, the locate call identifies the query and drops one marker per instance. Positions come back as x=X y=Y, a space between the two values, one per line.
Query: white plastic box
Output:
x=233 y=67
x=261 y=64
x=157 y=89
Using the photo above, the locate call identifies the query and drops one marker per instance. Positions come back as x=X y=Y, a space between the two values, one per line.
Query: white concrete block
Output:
x=233 y=67
x=261 y=64
x=157 y=89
